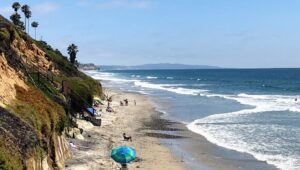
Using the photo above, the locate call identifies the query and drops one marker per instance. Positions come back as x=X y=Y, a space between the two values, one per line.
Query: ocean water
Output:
x=255 y=111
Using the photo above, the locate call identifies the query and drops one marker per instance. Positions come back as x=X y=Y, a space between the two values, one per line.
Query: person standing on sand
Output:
x=134 y=102
x=124 y=167
x=126 y=102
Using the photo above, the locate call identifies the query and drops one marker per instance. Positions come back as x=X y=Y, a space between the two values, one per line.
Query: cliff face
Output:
x=33 y=111
x=23 y=147
x=9 y=77
x=62 y=153
x=19 y=52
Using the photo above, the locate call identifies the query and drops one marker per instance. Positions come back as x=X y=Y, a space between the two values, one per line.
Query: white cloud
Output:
x=45 y=7
x=134 y=4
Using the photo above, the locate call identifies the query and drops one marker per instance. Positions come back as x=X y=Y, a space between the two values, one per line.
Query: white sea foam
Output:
x=109 y=77
x=143 y=92
x=178 y=90
x=135 y=76
x=227 y=137
x=150 y=77
x=90 y=71
x=161 y=111
x=166 y=87
x=170 y=78
x=113 y=79
x=171 y=85
x=226 y=129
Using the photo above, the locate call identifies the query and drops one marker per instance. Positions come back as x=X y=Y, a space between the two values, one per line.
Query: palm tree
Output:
x=16 y=6
x=21 y=25
x=28 y=16
x=15 y=18
x=34 y=25
x=72 y=51
x=25 y=9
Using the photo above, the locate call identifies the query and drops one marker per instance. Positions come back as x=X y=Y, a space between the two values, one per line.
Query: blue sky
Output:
x=227 y=33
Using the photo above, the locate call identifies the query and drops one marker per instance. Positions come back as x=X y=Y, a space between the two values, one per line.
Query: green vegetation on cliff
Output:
x=29 y=123
x=9 y=159
x=82 y=87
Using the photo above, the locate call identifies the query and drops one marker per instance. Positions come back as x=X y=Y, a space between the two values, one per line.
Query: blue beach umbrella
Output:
x=123 y=154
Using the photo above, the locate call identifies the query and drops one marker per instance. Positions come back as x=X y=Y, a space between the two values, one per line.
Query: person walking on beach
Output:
x=134 y=102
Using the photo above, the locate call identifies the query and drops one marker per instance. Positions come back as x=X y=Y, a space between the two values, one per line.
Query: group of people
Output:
x=125 y=102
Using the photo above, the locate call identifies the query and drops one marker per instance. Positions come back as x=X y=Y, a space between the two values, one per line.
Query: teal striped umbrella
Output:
x=123 y=154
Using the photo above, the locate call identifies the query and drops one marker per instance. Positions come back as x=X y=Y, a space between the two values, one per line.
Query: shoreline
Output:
x=198 y=152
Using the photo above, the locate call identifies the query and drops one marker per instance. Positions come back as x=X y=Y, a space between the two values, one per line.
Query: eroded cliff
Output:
x=34 y=108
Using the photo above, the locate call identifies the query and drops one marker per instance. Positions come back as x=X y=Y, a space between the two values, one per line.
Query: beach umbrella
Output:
x=123 y=154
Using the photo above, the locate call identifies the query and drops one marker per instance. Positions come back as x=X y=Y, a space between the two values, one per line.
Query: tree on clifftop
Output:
x=16 y=6
x=72 y=51
x=16 y=17
x=27 y=13
x=28 y=16
x=34 y=25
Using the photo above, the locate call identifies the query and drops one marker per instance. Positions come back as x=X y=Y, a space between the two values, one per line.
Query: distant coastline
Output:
x=160 y=66
x=89 y=66
x=164 y=66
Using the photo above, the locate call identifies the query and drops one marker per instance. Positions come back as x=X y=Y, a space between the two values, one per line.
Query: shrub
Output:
x=35 y=108
x=61 y=62
x=62 y=123
x=81 y=93
x=8 y=160
x=4 y=34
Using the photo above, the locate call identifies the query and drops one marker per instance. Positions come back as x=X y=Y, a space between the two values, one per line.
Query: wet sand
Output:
x=198 y=153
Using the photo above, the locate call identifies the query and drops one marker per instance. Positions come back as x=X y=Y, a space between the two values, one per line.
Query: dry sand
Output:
x=93 y=152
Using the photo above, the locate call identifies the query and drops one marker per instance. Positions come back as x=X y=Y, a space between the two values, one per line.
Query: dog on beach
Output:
x=127 y=138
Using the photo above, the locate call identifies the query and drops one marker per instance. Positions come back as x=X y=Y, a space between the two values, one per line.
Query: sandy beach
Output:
x=93 y=147
x=155 y=139
x=160 y=143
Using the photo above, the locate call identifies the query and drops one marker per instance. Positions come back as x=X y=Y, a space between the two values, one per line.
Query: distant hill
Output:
x=89 y=66
x=161 y=66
